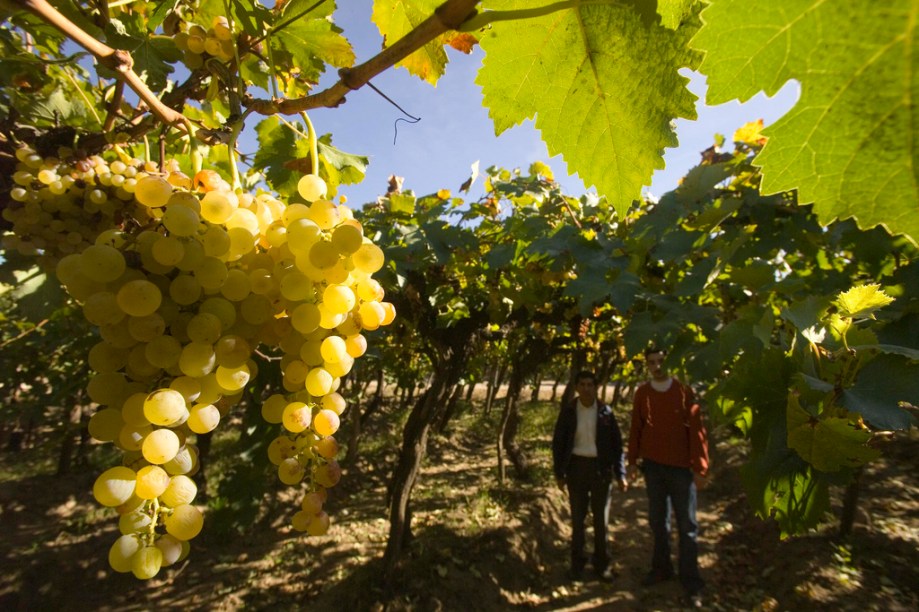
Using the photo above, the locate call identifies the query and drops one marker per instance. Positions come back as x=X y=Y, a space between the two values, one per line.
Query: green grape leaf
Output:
x=340 y=168
x=277 y=144
x=849 y=144
x=310 y=44
x=828 y=443
x=881 y=385
x=674 y=12
x=602 y=83
x=153 y=60
x=806 y=313
x=861 y=302
x=395 y=19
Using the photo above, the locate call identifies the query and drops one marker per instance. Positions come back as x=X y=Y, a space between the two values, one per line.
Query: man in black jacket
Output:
x=586 y=452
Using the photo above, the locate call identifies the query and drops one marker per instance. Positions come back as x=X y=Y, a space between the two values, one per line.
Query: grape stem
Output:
x=314 y=145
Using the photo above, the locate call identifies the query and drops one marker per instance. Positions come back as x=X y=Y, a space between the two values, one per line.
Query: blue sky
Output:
x=455 y=130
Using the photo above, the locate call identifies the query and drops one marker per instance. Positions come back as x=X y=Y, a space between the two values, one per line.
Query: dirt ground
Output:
x=477 y=545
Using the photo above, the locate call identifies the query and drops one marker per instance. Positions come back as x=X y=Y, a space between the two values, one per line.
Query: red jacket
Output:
x=667 y=428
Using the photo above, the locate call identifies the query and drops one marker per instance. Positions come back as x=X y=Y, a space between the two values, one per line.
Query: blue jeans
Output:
x=672 y=488
x=588 y=489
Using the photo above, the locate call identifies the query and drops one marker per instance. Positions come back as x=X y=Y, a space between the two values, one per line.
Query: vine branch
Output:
x=451 y=15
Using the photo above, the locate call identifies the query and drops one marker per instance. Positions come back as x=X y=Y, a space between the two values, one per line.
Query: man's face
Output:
x=587 y=391
x=656 y=365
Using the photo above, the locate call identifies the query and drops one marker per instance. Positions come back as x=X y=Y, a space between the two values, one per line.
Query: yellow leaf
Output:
x=749 y=133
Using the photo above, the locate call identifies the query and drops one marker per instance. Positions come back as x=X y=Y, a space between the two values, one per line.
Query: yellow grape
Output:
x=185 y=462
x=181 y=221
x=273 y=408
x=172 y=549
x=311 y=187
x=339 y=299
x=152 y=480
x=296 y=417
x=189 y=387
x=146 y=563
x=324 y=214
x=333 y=349
x=102 y=263
x=232 y=379
x=145 y=329
x=217 y=207
x=122 y=551
x=134 y=521
x=115 y=486
x=104 y=357
x=164 y=407
x=318 y=525
x=319 y=382
x=347 y=238
x=356 y=345
x=334 y=402
x=185 y=290
x=131 y=437
x=185 y=522
x=326 y=423
x=305 y=318
x=212 y=273
x=132 y=411
x=197 y=359
x=163 y=352
x=104 y=425
x=203 y=418
x=160 y=446
x=372 y=315
x=323 y=255
x=389 y=313
x=326 y=447
x=291 y=471
x=281 y=448
x=204 y=327
x=368 y=258
x=300 y=520
x=327 y=475
x=296 y=287
x=139 y=298
x=181 y=490
x=232 y=351
x=153 y=191
x=312 y=503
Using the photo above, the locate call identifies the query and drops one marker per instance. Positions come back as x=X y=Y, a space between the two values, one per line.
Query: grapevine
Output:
x=184 y=277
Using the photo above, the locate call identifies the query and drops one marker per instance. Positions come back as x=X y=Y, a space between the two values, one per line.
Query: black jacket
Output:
x=610 y=458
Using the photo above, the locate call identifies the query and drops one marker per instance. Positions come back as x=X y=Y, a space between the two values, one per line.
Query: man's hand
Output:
x=623 y=484
x=700 y=481
x=632 y=473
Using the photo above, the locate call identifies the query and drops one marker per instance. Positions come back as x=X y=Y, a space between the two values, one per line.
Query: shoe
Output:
x=694 y=600
x=607 y=575
x=654 y=577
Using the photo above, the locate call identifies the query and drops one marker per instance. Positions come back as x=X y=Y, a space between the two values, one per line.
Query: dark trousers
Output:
x=588 y=489
x=673 y=488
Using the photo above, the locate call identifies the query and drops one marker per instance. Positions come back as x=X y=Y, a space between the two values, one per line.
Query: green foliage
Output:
x=848 y=145
x=577 y=72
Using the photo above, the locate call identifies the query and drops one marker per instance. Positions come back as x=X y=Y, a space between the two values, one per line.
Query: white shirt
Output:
x=585 y=436
x=662 y=385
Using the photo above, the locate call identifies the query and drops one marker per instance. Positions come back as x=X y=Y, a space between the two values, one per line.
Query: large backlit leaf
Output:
x=601 y=81
x=395 y=19
x=849 y=144
x=828 y=443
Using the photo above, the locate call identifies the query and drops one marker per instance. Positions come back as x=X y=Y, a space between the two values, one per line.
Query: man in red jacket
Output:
x=668 y=438
x=587 y=453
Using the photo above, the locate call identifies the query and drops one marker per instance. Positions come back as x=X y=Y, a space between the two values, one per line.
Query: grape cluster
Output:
x=195 y=278
x=197 y=43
